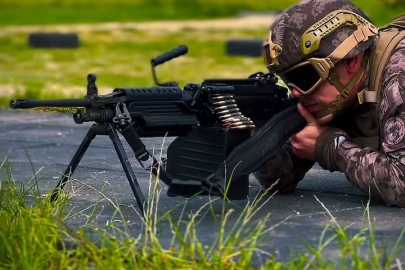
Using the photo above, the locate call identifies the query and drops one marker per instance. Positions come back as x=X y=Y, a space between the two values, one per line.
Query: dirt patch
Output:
x=246 y=22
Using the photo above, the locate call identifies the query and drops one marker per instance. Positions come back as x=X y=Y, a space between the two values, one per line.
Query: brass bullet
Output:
x=238 y=117
x=230 y=106
x=235 y=120
x=229 y=101
x=244 y=127
x=231 y=115
x=222 y=97
x=240 y=123
x=229 y=111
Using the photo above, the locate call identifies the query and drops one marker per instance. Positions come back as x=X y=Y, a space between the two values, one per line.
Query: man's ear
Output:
x=353 y=64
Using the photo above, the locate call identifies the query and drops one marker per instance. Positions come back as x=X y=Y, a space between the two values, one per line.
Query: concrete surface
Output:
x=42 y=144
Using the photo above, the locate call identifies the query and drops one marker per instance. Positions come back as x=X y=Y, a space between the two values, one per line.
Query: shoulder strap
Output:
x=398 y=22
x=389 y=40
x=389 y=37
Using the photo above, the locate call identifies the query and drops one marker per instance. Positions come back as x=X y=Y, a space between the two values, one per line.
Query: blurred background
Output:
x=48 y=47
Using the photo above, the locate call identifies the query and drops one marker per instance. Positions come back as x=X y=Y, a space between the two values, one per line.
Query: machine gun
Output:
x=212 y=121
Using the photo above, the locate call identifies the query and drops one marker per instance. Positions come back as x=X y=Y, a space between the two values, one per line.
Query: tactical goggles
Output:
x=306 y=76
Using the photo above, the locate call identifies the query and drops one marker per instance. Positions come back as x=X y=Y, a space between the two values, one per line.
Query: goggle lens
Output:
x=304 y=77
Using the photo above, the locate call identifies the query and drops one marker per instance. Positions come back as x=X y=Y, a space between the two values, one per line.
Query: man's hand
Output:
x=303 y=143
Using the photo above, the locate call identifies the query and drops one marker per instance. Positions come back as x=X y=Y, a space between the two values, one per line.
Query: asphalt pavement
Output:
x=40 y=145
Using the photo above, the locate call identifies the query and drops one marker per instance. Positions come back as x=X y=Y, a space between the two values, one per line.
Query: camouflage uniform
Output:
x=378 y=169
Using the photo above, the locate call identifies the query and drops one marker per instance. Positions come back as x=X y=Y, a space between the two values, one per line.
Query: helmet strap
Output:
x=335 y=107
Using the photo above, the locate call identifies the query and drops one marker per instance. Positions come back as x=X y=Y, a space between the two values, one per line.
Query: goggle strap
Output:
x=334 y=107
x=271 y=52
x=360 y=35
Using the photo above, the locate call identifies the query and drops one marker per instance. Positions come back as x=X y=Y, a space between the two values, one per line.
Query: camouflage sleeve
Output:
x=382 y=173
x=287 y=168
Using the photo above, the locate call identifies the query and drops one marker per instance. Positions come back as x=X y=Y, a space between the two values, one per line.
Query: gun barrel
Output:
x=32 y=103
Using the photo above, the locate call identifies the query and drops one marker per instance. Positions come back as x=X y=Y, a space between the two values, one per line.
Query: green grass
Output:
x=90 y=11
x=34 y=234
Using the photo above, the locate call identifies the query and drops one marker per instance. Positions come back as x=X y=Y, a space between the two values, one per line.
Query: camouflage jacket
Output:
x=378 y=171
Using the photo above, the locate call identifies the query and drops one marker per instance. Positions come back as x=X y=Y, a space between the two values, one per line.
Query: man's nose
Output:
x=295 y=93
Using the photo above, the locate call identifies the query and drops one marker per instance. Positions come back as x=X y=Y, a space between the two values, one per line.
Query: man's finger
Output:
x=295 y=141
x=306 y=114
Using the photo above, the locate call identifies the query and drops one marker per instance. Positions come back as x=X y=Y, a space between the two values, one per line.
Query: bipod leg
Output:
x=126 y=165
x=91 y=134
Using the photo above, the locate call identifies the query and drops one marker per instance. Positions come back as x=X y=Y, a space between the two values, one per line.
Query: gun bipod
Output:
x=110 y=130
x=120 y=122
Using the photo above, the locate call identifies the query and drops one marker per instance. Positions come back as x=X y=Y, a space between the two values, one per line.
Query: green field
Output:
x=120 y=56
x=91 y=11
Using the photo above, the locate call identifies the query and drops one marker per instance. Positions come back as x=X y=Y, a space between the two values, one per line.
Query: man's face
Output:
x=326 y=93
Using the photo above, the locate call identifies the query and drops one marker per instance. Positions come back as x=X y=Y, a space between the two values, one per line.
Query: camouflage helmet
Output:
x=289 y=33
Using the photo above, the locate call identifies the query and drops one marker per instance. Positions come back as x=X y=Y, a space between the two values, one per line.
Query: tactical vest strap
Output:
x=389 y=37
x=367 y=96
x=398 y=22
